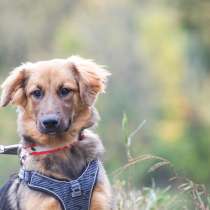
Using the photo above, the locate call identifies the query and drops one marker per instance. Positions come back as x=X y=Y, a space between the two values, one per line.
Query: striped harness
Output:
x=72 y=195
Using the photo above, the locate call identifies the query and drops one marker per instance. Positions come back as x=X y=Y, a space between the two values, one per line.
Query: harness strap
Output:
x=72 y=195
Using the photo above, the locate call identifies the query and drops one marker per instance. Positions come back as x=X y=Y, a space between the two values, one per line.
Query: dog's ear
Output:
x=12 y=87
x=91 y=78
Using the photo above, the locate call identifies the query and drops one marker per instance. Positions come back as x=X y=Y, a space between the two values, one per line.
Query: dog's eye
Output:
x=64 y=91
x=37 y=94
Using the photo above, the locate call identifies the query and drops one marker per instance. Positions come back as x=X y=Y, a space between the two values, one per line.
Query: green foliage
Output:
x=182 y=193
x=147 y=198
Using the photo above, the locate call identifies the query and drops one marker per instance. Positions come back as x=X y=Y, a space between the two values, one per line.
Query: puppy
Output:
x=55 y=101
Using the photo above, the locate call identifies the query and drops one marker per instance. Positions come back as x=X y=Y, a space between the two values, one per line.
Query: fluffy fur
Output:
x=85 y=80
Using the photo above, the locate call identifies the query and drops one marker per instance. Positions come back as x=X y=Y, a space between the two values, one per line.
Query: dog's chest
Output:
x=37 y=200
x=21 y=197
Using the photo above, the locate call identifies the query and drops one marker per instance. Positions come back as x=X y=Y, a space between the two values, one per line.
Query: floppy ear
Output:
x=12 y=87
x=91 y=78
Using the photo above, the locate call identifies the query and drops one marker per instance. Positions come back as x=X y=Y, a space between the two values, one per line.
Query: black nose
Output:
x=50 y=123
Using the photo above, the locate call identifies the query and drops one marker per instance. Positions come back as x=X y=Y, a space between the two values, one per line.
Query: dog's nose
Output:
x=50 y=123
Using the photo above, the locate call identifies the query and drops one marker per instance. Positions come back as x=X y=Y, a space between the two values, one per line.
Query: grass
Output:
x=186 y=196
x=181 y=194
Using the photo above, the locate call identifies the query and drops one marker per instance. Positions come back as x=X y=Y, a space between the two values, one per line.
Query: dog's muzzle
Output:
x=51 y=124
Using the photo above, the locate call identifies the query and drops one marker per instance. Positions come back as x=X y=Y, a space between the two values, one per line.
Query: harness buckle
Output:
x=25 y=175
x=76 y=189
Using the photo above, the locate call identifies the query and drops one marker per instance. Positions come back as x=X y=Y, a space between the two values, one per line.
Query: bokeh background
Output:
x=158 y=52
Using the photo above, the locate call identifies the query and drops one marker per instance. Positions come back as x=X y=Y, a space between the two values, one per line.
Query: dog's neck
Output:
x=67 y=163
x=30 y=146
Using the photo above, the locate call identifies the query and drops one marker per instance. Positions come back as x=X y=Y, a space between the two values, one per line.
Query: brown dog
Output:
x=55 y=101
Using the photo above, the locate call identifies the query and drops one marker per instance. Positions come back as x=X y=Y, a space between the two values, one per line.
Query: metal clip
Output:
x=1 y=149
x=9 y=150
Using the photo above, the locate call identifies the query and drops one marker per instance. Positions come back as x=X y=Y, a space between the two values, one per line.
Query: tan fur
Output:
x=36 y=200
x=49 y=75
x=101 y=199
x=86 y=80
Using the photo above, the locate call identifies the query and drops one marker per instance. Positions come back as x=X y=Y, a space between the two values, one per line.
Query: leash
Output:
x=9 y=150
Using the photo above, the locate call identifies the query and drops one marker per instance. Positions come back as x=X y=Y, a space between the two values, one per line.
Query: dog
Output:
x=55 y=102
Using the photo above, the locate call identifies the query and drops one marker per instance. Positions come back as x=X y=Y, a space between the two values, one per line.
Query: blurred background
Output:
x=158 y=52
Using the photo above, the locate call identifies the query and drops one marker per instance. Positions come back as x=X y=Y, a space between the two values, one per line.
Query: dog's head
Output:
x=55 y=98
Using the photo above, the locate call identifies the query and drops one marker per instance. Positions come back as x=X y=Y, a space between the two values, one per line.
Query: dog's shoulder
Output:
x=4 y=192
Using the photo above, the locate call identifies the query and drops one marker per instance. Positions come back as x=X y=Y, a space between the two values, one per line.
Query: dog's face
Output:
x=54 y=97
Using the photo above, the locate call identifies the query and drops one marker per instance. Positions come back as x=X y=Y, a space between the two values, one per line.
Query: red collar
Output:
x=34 y=149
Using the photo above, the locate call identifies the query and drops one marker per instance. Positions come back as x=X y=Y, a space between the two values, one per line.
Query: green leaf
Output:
x=125 y=127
